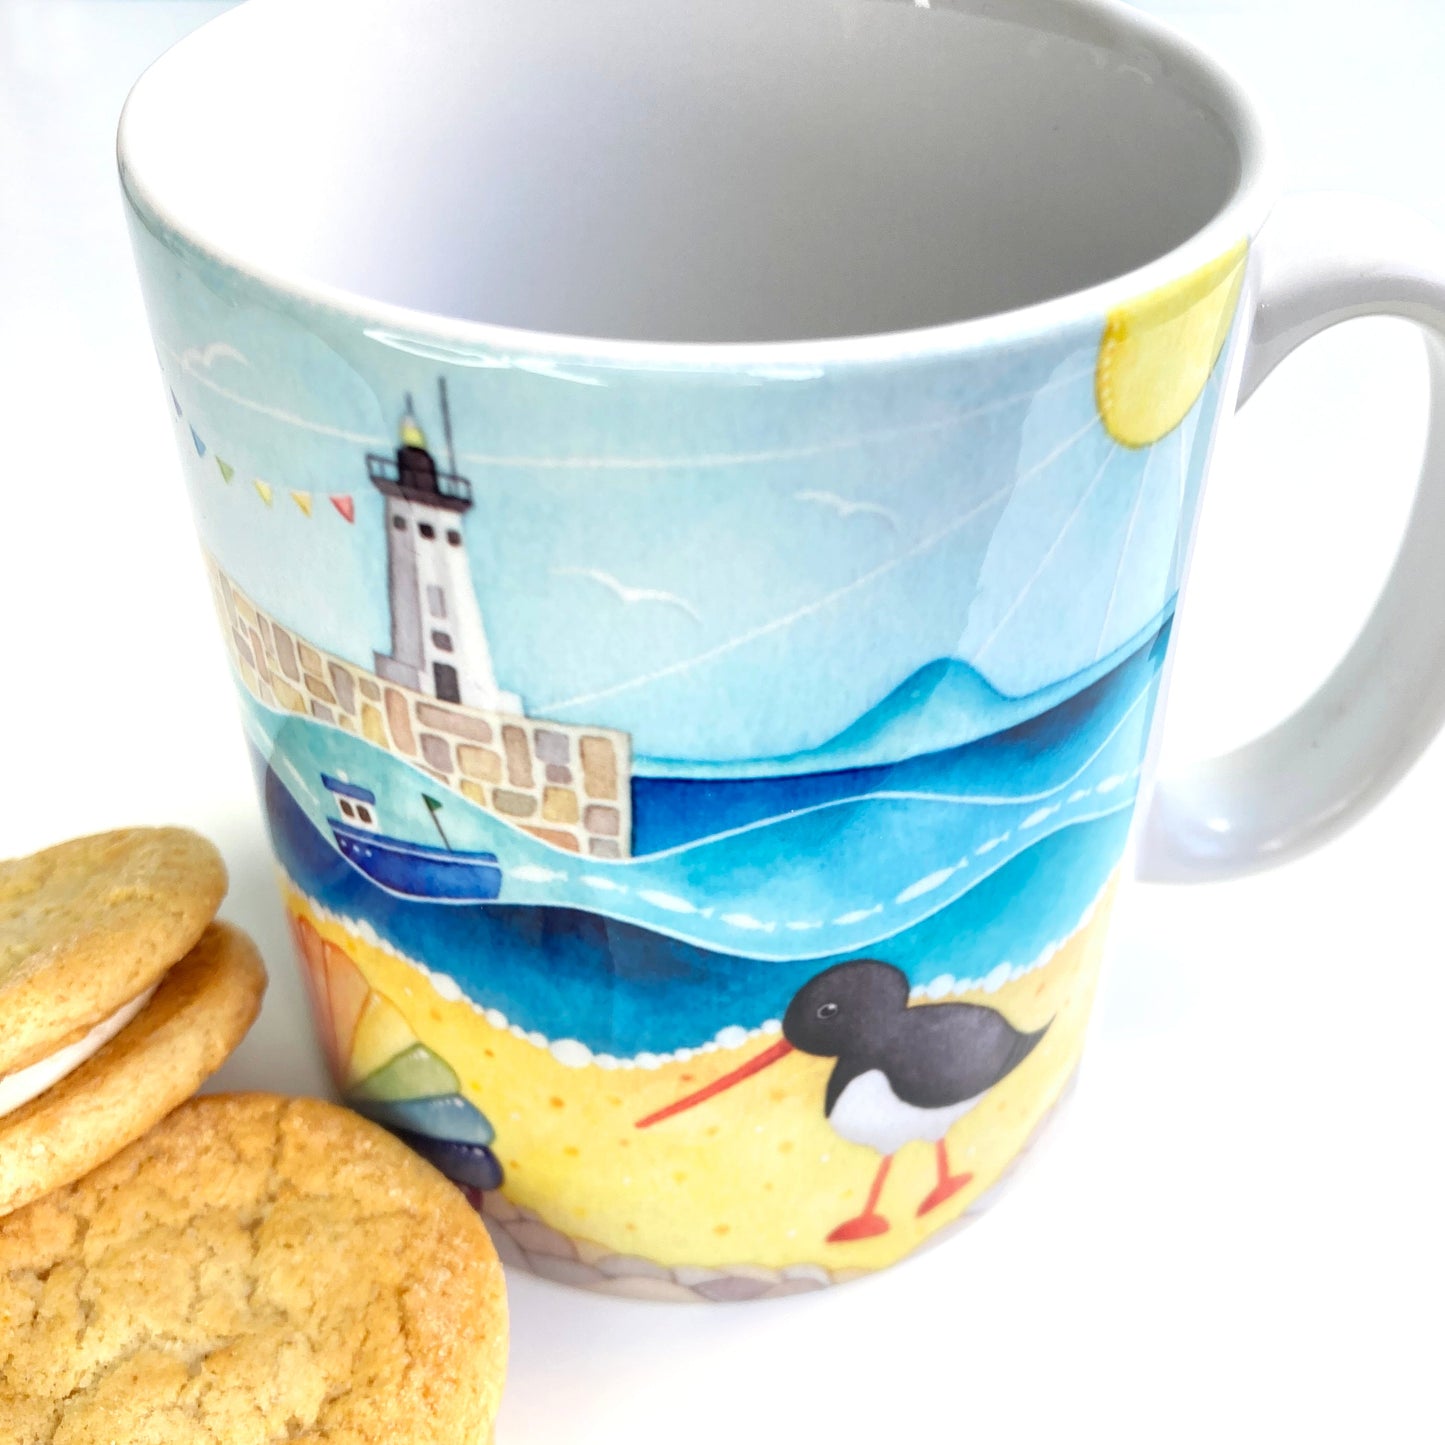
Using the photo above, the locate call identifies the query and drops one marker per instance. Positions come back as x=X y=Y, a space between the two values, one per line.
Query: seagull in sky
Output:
x=630 y=595
x=845 y=509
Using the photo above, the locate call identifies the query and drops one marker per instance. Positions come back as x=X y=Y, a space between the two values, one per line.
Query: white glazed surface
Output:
x=1247 y=1247
x=744 y=175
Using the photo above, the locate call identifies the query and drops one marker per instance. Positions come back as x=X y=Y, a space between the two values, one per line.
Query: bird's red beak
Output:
x=754 y=1065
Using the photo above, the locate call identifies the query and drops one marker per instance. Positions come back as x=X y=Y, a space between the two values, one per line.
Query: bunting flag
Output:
x=200 y=445
x=263 y=490
x=345 y=505
x=302 y=500
x=174 y=401
x=227 y=470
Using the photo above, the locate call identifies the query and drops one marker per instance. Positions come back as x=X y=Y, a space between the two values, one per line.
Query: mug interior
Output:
x=653 y=170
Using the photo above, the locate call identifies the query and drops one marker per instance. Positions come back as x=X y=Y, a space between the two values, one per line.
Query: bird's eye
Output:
x=827 y=1010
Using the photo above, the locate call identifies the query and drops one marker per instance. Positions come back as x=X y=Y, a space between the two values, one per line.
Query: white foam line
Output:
x=926 y=885
x=668 y=902
x=606 y=885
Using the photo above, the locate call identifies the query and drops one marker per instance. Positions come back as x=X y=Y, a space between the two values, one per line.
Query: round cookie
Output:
x=194 y=1020
x=88 y=925
x=255 y=1269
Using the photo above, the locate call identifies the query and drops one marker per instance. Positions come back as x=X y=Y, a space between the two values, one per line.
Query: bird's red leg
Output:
x=948 y=1184
x=869 y=1222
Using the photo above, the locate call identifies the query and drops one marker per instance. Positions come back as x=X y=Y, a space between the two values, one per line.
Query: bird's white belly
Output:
x=869 y=1112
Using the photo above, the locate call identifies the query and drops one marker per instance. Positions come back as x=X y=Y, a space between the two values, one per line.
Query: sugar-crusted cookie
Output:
x=255 y=1269
x=89 y=925
x=198 y=1014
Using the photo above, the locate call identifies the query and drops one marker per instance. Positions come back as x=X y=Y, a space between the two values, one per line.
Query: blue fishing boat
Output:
x=409 y=869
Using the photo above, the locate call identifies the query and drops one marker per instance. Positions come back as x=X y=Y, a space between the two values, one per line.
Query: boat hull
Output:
x=415 y=870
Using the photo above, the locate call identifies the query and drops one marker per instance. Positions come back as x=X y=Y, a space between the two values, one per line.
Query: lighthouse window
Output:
x=436 y=600
x=454 y=537
x=426 y=529
x=442 y=641
x=399 y=523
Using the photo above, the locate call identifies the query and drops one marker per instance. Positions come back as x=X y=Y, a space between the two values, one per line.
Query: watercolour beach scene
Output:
x=699 y=831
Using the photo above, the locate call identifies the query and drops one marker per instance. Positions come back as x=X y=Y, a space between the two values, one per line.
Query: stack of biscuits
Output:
x=240 y=1268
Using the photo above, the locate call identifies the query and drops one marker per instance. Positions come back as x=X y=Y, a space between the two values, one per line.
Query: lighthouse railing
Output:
x=384 y=471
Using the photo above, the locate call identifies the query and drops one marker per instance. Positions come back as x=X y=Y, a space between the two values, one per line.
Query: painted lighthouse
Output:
x=433 y=698
x=438 y=641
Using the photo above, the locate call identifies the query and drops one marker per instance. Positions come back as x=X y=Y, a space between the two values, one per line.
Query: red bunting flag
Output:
x=345 y=505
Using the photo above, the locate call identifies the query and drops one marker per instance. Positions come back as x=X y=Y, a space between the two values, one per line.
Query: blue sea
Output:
x=963 y=863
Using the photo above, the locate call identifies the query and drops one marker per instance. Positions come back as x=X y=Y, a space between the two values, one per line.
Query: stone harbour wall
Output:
x=569 y=786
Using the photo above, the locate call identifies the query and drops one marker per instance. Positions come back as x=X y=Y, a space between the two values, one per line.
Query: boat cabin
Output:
x=357 y=804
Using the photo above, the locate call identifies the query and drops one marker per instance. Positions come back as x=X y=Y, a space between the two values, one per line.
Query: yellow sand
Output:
x=753 y=1176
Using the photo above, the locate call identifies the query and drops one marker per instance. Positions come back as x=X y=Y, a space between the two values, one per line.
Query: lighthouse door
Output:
x=447 y=684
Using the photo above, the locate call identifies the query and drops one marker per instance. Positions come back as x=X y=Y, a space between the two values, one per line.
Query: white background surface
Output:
x=1236 y=1233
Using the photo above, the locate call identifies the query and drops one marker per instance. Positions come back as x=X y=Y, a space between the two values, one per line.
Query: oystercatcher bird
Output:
x=903 y=1073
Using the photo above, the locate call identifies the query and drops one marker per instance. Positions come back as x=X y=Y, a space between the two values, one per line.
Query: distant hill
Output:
x=942 y=705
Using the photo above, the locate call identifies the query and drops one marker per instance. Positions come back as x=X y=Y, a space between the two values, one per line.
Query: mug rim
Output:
x=1238 y=219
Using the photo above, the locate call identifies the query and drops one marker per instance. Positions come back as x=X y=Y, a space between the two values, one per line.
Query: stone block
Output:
x=599 y=767
x=372 y=727
x=514 y=805
x=552 y=746
x=644 y=1287
x=604 y=848
x=458 y=724
x=437 y=751
x=519 y=756
x=400 y=719
x=538 y=1238
x=286 y=653
x=564 y=1271
x=310 y=658
x=556 y=773
x=369 y=689
x=733 y=1287
x=318 y=689
x=559 y=805
x=475 y=791
x=622 y=1266
x=555 y=836
x=477 y=762
x=322 y=713
x=342 y=686
x=601 y=820
x=289 y=697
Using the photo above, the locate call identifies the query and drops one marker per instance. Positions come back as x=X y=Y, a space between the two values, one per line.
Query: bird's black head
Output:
x=844 y=1005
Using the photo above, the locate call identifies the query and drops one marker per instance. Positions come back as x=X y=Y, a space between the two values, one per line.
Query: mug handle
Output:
x=1323 y=259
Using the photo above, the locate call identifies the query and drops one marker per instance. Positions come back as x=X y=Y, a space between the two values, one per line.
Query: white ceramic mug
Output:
x=697 y=497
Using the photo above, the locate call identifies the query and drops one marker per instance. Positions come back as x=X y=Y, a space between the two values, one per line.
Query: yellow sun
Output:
x=1159 y=349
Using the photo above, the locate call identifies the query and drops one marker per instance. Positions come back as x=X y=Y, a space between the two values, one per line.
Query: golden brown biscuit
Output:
x=253 y=1270
x=88 y=925
x=197 y=1016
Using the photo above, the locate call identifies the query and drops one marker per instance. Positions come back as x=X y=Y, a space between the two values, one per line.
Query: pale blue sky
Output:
x=783 y=549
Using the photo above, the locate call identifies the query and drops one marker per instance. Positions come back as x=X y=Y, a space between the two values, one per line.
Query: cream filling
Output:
x=24 y=1084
